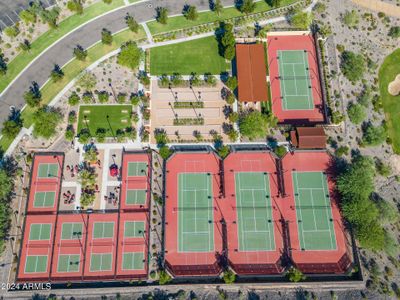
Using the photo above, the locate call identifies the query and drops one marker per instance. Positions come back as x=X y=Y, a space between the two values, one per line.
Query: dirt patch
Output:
x=394 y=86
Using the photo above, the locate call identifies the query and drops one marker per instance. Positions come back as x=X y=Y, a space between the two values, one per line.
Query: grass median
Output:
x=180 y=22
x=52 y=35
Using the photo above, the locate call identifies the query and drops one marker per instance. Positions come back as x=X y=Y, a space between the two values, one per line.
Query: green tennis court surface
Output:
x=48 y=170
x=68 y=263
x=137 y=169
x=133 y=229
x=135 y=197
x=103 y=230
x=40 y=232
x=100 y=262
x=36 y=264
x=295 y=80
x=313 y=211
x=70 y=231
x=44 y=199
x=254 y=213
x=195 y=213
x=133 y=261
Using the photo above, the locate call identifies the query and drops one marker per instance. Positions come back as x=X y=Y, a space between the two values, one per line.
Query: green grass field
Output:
x=199 y=56
x=180 y=22
x=52 y=35
x=96 y=116
x=391 y=104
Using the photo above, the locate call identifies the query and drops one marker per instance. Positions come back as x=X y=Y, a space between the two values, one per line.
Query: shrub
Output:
x=103 y=96
x=295 y=275
x=74 y=99
x=11 y=31
x=84 y=136
x=229 y=277
x=164 y=277
x=165 y=152
x=342 y=150
x=352 y=66
x=280 y=151
x=356 y=113
x=101 y=135
x=231 y=83
x=69 y=133
x=121 y=98
x=374 y=135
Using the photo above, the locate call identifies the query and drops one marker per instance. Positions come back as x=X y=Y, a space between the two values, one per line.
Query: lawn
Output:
x=199 y=56
x=391 y=104
x=52 y=35
x=180 y=22
x=119 y=117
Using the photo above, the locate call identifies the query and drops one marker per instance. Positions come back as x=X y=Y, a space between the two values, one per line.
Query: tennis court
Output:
x=36 y=264
x=313 y=211
x=40 y=232
x=70 y=231
x=195 y=213
x=68 y=263
x=102 y=230
x=133 y=261
x=133 y=229
x=47 y=170
x=134 y=196
x=44 y=199
x=254 y=213
x=295 y=80
x=137 y=169
x=100 y=262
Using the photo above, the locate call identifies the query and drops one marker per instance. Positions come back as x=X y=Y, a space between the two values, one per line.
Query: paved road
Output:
x=9 y=10
x=85 y=36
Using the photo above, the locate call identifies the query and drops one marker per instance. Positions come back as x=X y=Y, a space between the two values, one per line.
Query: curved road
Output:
x=85 y=36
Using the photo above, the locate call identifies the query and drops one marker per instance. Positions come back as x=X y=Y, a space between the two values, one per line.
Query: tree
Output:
x=217 y=7
x=69 y=133
x=50 y=16
x=80 y=53
x=6 y=183
x=280 y=151
x=106 y=37
x=356 y=113
x=352 y=66
x=190 y=12
x=27 y=16
x=101 y=135
x=295 y=275
x=165 y=152
x=374 y=135
x=74 y=99
x=103 y=96
x=90 y=155
x=231 y=83
x=130 y=55
x=25 y=45
x=84 y=136
x=226 y=41
x=131 y=23
x=162 y=15
x=57 y=74
x=3 y=65
x=161 y=137
x=87 y=80
x=247 y=6
x=394 y=32
x=276 y=3
x=253 y=124
x=45 y=122
x=33 y=97
x=75 y=6
x=301 y=20
x=87 y=198
x=11 y=31
x=11 y=128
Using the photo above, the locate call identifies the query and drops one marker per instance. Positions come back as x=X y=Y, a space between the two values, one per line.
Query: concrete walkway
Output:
x=380 y=6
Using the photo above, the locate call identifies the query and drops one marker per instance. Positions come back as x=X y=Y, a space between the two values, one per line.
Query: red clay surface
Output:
x=51 y=184
x=84 y=243
x=135 y=182
x=327 y=261
x=190 y=263
x=294 y=42
x=251 y=261
x=37 y=247
x=251 y=72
